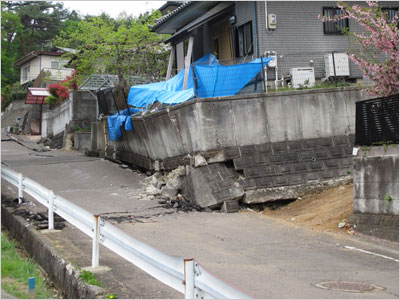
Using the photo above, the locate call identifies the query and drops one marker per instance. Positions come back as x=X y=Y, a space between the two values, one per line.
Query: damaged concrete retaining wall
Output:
x=218 y=123
x=79 y=109
x=376 y=191
x=298 y=140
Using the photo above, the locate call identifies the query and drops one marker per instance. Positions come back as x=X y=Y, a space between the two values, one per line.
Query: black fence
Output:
x=111 y=100
x=377 y=121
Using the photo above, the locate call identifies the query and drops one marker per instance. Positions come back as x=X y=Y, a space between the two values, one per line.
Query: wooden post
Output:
x=171 y=62
x=41 y=119
x=187 y=62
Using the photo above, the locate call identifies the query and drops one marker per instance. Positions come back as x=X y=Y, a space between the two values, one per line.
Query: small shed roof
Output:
x=36 y=95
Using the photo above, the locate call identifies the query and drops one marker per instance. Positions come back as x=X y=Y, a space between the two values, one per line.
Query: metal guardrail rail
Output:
x=184 y=275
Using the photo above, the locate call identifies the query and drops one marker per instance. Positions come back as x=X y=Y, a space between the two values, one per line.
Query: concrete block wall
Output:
x=376 y=180
x=306 y=161
x=376 y=192
x=80 y=108
x=54 y=120
x=82 y=140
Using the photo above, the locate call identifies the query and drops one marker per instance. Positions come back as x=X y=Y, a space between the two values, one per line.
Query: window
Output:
x=54 y=64
x=391 y=12
x=244 y=40
x=25 y=72
x=334 y=27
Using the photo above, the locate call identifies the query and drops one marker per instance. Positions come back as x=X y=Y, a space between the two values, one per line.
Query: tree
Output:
x=27 y=26
x=39 y=21
x=123 y=47
x=376 y=50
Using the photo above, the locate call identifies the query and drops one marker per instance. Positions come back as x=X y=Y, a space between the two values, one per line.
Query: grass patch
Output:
x=111 y=296
x=89 y=278
x=323 y=85
x=17 y=269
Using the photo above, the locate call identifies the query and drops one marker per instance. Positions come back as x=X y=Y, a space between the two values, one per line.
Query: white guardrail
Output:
x=184 y=275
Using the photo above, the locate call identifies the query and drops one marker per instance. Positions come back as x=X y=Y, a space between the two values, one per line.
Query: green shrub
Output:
x=51 y=100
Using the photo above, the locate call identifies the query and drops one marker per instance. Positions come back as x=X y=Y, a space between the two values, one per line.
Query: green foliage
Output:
x=322 y=85
x=27 y=26
x=17 y=270
x=388 y=198
x=51 y=99
x=111 y=296
x=89 y=278
x=123 y=47
x=81 y=129
x=9 y=93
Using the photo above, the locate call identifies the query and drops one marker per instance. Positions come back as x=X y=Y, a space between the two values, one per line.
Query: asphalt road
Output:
x=261 y=256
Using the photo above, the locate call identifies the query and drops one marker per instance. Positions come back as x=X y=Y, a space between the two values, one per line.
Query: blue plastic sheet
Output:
x=213 y=80
x=115 y=122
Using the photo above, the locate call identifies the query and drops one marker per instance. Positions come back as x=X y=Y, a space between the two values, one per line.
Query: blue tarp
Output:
x=213 y=80
x=115 y=122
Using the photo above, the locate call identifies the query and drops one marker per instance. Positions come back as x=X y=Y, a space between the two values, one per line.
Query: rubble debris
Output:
x=199 y=161
x=212 y=186
x=152 y=190
x=341 y=224
x=202 y=187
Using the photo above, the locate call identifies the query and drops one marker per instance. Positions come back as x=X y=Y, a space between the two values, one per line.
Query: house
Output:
x=43 y=67
x=290 y=31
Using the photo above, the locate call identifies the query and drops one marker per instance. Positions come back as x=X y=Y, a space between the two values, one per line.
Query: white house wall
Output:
x=34 y=65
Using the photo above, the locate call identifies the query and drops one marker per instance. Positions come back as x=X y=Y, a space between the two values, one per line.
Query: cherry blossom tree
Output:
x=376 y=49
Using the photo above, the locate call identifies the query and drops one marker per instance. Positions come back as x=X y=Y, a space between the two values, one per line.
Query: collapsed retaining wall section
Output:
x=298 y=139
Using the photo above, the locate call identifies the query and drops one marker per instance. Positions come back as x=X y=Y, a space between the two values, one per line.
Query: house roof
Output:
x=34 y=54
x=171 y=3
x=36 y=95
x=181 y=16
x=214 y=12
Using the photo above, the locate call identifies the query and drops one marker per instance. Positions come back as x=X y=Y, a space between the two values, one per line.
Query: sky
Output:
x=112 y=8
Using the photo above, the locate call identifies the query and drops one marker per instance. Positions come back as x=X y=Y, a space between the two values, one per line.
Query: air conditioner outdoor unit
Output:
x=341 y=65
x=302 y=77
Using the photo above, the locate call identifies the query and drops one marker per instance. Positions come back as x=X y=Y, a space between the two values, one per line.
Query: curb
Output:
x=62 y=272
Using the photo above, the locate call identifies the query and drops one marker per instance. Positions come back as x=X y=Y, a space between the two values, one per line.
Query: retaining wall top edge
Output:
x=378 y=151
x=246 y=97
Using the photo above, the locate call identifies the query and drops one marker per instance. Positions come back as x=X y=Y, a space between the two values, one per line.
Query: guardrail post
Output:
x=50 y=210
x=189 y=278
x=20 y=194
x=95 y=247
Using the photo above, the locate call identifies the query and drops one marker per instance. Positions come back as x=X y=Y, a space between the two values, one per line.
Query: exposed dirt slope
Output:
x=322 y=211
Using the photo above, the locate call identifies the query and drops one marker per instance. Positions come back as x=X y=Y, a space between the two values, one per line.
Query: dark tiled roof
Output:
x=172 y=13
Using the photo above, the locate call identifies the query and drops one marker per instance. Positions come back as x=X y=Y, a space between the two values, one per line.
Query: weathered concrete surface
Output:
x=376 y=192
x=218 y=123
x=378 y=225
x=376 y=178
x=64 y=275
x=211 y=186
x=79 y=109
x=53 y=121
x=259 y=255
x=82 y=140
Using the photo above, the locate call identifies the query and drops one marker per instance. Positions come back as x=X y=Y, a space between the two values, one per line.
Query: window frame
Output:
x=388 y=9
x=334 y=24
x=243 y=37
x=25 y=72
x=55 y=61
